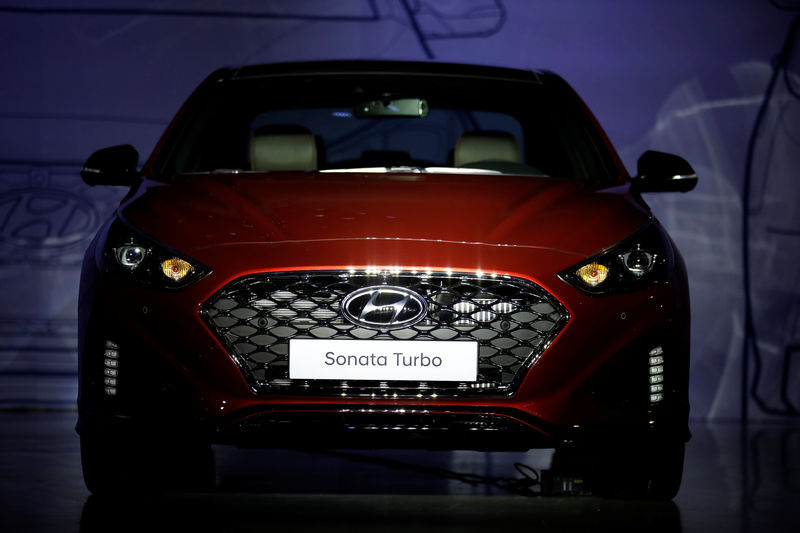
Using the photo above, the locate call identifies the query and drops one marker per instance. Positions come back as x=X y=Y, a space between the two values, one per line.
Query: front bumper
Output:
x=592 y=383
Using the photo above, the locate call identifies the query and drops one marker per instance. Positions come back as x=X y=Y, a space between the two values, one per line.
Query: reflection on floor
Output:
x=736 y=479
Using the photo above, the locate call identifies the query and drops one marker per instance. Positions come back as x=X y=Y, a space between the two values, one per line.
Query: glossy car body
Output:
x=293 y=201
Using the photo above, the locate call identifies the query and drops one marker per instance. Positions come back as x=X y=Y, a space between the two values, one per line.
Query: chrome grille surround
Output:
x=513 y=320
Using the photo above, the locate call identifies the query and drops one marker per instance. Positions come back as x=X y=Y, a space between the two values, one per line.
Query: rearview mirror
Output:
x=112 y=166
x=662 y=172
x=399 y=107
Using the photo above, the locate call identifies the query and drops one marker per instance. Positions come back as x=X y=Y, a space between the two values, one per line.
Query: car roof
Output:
x=373 y=67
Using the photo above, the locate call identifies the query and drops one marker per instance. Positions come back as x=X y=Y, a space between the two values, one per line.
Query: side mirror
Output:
x=112 y=166
x=661 y=172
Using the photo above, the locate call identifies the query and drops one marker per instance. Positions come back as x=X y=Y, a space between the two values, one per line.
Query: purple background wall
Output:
x=684 y=76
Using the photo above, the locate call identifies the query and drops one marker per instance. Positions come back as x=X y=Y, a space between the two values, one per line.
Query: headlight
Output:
x=638 y=262
x=130 y=255
x=134 y=256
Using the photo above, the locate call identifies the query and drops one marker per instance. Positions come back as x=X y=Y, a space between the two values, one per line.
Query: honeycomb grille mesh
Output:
x=513 y=320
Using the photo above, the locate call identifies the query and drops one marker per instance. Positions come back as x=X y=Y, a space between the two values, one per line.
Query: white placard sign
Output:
x=345 y=359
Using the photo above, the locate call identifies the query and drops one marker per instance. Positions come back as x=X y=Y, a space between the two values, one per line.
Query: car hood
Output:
x=197 y=211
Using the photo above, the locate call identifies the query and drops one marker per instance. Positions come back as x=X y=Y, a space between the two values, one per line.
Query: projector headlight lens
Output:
x=638 y=261
x=130 y=255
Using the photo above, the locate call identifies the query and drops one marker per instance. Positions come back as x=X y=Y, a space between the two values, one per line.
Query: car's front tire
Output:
x=650 y=470
x=117 y=464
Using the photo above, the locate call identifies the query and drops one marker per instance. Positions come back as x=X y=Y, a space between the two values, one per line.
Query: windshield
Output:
x=324 y=123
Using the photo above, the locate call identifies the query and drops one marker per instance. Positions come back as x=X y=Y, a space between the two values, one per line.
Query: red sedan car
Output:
x=384 y=254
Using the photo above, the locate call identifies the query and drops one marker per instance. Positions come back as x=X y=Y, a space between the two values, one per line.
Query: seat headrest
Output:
x=477 y=146
x=283 y=151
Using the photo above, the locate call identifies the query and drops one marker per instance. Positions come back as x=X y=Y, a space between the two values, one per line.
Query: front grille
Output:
x=512 y=319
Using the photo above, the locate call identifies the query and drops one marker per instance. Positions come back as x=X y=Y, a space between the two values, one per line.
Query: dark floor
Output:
x=736 y=480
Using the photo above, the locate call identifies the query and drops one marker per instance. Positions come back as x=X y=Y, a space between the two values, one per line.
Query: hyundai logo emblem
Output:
x=384 y=307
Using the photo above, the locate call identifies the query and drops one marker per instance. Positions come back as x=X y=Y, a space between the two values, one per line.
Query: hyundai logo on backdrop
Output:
x=384 y=307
